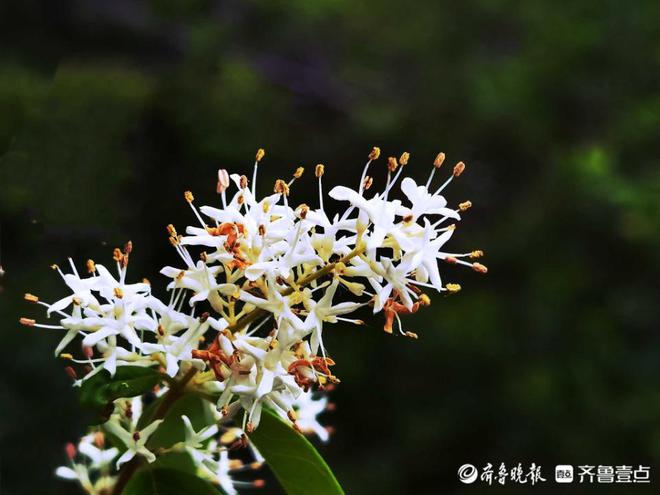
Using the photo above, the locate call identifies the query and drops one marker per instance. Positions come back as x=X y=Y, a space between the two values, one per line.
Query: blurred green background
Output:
x=110 y=110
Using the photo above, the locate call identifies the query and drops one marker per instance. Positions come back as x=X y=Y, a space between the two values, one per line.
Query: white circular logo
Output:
x=467 y=473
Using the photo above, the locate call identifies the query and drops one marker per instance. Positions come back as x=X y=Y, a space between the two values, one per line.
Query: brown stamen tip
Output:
x=453 y=288
x=412 y=335
x=259 y=483
x=368 y=181
x=465 y=205
x=77 y=301
x=204 y=316
x=299 y=172
x=459 y=168
x=171 y=230
x=28 y=322
x=119 y=293
x=450 y=259
x=128 y=247
x=88 y=351
x=281 y=187
x=424 y=300
x=319 y=170
x=145 y=280
x=91 y=266
x=256 y=465
x=31 y=298
x=476 y=254
x=243 y=182
x=70 y=450
x=359 y=322
x=223 y=181
x=404 y=158
x=439 y=159
x=302 y=211
x=296 y=427
x=478 y=267
x=260 y=154
x=392 y=164
x=375 y=153
x=189 y=196
x=99 y=439
x=136 y=435
x=249 y=427
x=71 y=372
x=291 y=414
x=408 y=219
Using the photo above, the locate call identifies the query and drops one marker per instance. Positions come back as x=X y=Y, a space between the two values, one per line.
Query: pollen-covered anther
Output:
x=189 y=196
x=243 y=182
x=28 y=322
x=453 y=288
x=204 y=316
x=424 y=300
x=119 y=293
x=174 y=240
x=476 y=254
x=451 y=259
x=439 y=159
x=171 y=230
x=368 y=182
x=249 y=427
x=319 y=170
x=291 y=414
x=260 y=154
x=412 y=335
x=128 y=247
x=31 y=298
x=465 y=205
x=408 y=219
x=117 y=255
x=54 y=266
x=392 y=164
x=66 y=355
x=262 y=230
x=299 y=172
x=478 y=267
x=458 y=169
x=375 y=153
x=258 y=483
x=281 y=187
x=404 y=158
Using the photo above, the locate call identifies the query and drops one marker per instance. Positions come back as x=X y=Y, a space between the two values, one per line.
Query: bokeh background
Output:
x=110 y=110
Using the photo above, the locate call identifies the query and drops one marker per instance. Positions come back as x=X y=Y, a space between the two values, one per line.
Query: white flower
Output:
x=135 y=442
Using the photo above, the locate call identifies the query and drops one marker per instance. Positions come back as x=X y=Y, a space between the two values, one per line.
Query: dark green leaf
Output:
x=101 y=389
x=172 y=430
x=295 y=462
x=162 y=481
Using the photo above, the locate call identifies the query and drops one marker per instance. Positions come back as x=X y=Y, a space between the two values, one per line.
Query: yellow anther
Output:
x=319 y=170
x=465 y=205
x=375 y=153
x=189 y=196
x=91 y=266
x=171 y=230
x=298 y=173
x=260 y=154
x=439 y=158
x=118 y=292
x=458 y=169
x=292 y=415
x=424 y=300
x=117 y=255
x=76 y=301
x=403 y=159
x=281 y=187
x=476 y=254
x=31 y=298
x=453 y=288
x=145 y=280
x=54 y=266
x=66 y=355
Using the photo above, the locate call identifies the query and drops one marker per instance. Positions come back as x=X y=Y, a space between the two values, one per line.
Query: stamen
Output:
x=458 y=169
x=190 y=198
x=260 y=154
x=319 y=171
x=437 y=163
x=478 y=267
x=465 y=205
x=453 y=288
x=28 y=322
x=31 y=298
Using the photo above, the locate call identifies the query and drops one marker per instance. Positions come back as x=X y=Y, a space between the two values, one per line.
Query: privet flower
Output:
x=258 y=281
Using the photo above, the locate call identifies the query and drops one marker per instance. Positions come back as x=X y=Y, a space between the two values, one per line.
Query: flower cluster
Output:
x=259 y=281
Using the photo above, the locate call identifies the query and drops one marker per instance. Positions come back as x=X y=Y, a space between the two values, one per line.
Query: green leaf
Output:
x=100 y=390
x=297 y=465
x=172 y=430
x=162 y=481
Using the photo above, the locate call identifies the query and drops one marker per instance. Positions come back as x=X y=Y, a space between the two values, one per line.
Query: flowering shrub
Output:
x=181 y=384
